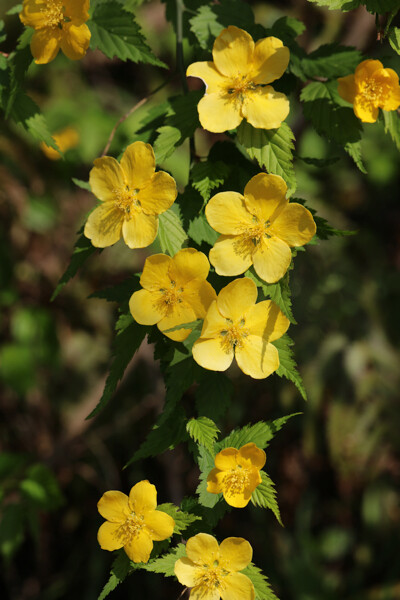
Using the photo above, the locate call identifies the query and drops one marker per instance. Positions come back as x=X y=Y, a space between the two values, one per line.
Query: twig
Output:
x=183 y=592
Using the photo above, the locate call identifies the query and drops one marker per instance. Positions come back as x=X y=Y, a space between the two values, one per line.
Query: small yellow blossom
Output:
x=236 y=474
x=65 y=139
x=211 y=571
x=57 y=24
x=236 y=82
x=175 y=292
x=132 y=196
x=235 y=326
x=370 y=88
x=258 y=228
x=133 y=522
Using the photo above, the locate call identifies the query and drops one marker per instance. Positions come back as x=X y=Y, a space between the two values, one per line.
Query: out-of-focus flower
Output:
x=370 y=88
x=235 y=326
x=57 y=24
x=258 y=228
x=175 y=292
x=65 y=139
x=212 y=570
x=236 y=474
x=236 y=82
x=132 y=196
x=133 y=522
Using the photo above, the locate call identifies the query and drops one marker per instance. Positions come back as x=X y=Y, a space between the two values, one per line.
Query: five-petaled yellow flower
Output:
x=370 y=88
x=236 y=474
x=258 y=228
x=65 y=139
x=57 y=24
x=212 y=570
x=236 y=82
x=132 y=196
x=175 y=292
x=133 y=522
x=235 y=326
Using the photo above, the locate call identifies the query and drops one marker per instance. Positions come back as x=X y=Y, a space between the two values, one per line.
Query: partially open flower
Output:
x=212 y=571
x=370 y=88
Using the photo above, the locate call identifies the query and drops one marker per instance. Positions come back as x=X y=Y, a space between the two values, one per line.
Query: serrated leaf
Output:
x=213 y=394
x=116 y=33
x=392 y=125
x=320 y=163
x=166 y=142
x=171 y=235
x=83 y=249
x=26 y=112
x=325 y=230
x=287 y=365
x=207 y=176
x=165 y=564
x=261 y=584
x=201 y=231
x=126 y=343
x=278 y=292
x=273 y=149
x=265 y=496
x=260 y=433
x=380 y=6
x=119 y=571
x=354 y=150
x=203 y=431
x=343 y=5
x=331 y=61
x=18 y=62
x=287 y=27
x=182 y=519
x=192 y=325
x=206 y=463
x=394 y=39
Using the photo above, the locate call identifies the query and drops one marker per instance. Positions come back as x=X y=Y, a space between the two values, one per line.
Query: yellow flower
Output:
x=370 y=88
x=235 y=326
x=65 y=139
x=133 y=522
x=212 y=570
x=132 y=197
x=175 y=292
x=235 y=82
x=58 y=24
x=257 y=229
x=236 y=474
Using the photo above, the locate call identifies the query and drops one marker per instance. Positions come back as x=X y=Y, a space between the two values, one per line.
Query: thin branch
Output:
x=180 y=63
x=183 y=592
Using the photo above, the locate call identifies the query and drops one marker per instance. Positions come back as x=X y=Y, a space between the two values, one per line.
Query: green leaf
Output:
x=353 y=149
x=343 y=5
x=265 y=496
x=208 y=175
x=41 y=488
x=331 y=61
x=166 y=563
x=129 y=337
x=3 y=35
x=278 y=292
x=272 y=149
x=261 y=584
x=119 y=571
x=115 y=32
x=287 y=365
x=394 y=39
x=166 y=142
x=171 y=235
x=121 y=292
x=83 y=249
x=392 y=125
x=84 y=185
x=206 y=463
x=325 y=230
x=11 y=529
x=261 y=433
x=14 y=10
x=287 y=28
x=182 y=519
x=213 y=394
x=18 y=62
x=192 y=325
x=201 y=231
x=203 y=431
x=320 y=163
x=381 y=6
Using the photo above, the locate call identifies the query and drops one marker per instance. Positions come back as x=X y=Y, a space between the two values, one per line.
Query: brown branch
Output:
x=183 y=592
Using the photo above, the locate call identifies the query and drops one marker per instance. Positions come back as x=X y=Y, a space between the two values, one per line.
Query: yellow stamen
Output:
x=126 y=201
x=54 y=13
x=236 y=480
x=239 y=86
x=130 y=528
x=372 y=91
x=233 y=335
x=211 y=577
x=168 y=298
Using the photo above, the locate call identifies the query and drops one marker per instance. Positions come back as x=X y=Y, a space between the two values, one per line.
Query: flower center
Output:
x=236 y=480
x=169 y=298
x=130 y=528
x=239 y=86
x=372 y=91
x=126 y=201
x=54 y=13
x=233 y=335
x=211 y=577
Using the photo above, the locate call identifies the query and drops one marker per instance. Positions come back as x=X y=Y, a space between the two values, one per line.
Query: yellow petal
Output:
x=257 y=357
x=155 y=272
x=143 y=497
x=140 y=230
x=33 y=14
x=264 y=108
x=233 y=51
x=366 y=69
x=77 y=10
x=235 y=554
x=232 y=255
x=219 y=112
x=214 y=322
x=104 y=225
x=266 y=319
x=113 y=506
x=75 y=40
x=202 y=549
x=185 y=572
x=108 y=537
x=237 y=297
x=347 y=88
x=180 y=314
x=159 y=525
x=237 y=587
x=189 y=264
x=227 y=213
x=270 y=60
x=138 y=164
x=251 y=455
x=144 y=307
x=237 y=498
x=210 y=354
x=226 y=459
x=271 y=259
x=199 y=295
x=294 y=225
x=66 y=138
x=106 y=177
x=158 y=194
x=214 y=481
x=139 y=547
x=206 y=71
x=365 y=110
x=45 y=45
x=203 y=592
x=265 y=196
x=390 y=83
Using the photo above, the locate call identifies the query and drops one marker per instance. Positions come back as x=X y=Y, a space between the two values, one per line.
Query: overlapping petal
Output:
x=185 y=571
x=251 y=455
x=75 y=40
x=365 y=110
x=33 y=14
x=108 y=537
x=235 y=554
x=264 y=108
x=158 y=194
x=104 y=225
x=143 y=497
x=159 y=525
x=180 y=314
x=213 y=323
x=294 y=225
x=219 y=112
x=215 y=480
x=155 y=272
x=210 y=354
x=237 y=498
x=390 y=82
x=226 y=459
x=200 y=295
x=140 y=230
x=206 y=70
x=233 y=51
x=237 y=297
x=266 y=320
x=366 y=69
x=45 y=44
x=271 y=259
x=114 y=506
x=232 y=255
x=347 y=88
x=202 y=549
x=138 y=164
x=145 y=307
x=265 y=196
x=257 y=358
x=139 y=547
x=106 y=177
x=227 y=213
x=189 y=264
x=270 y=60
x=237 y=587
x=77 y=10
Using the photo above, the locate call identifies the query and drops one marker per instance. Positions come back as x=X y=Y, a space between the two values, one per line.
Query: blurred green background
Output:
x=336 y=467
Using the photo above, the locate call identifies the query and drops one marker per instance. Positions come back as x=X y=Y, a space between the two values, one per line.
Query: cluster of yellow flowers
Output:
x=210 y=570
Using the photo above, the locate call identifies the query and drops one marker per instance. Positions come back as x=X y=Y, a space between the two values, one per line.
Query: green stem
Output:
x=389 y=21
